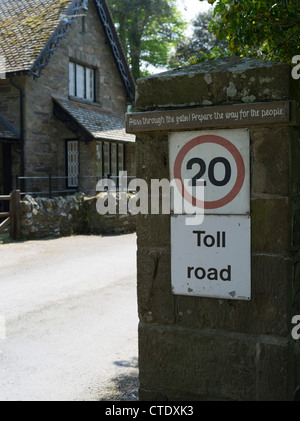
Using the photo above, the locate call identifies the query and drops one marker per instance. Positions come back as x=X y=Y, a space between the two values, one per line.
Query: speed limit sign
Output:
x=221 y=160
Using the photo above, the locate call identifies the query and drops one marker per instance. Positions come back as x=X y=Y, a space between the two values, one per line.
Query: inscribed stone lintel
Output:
x=240 y=115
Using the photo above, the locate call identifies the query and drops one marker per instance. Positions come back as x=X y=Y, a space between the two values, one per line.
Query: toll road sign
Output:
x=211 y=259
x=221 y=160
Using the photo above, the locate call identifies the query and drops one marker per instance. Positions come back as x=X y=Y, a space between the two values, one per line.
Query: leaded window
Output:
x=73 y=163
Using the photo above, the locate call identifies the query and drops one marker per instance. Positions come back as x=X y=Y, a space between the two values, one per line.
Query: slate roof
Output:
x=25 y=28
x=7 y=131
x=99 y=123
x=31 y=30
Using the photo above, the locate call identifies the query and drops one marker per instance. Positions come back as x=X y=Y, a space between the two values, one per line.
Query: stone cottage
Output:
x=64 y=92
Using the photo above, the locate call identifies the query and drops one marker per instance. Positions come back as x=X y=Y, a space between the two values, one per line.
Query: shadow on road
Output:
x=124 y=387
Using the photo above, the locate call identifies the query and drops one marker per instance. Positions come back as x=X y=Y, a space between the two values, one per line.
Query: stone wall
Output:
x=64 y=216
x=10 y=101
x=194 y=348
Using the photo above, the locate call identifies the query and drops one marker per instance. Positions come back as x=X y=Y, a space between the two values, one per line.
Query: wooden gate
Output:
x=11 y=218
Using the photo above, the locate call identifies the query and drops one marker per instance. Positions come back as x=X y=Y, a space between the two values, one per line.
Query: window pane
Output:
x=73 y=163
x=121 y=157
x=106 y=159
x=90 y=84
x=114 y=159
x=99 y=158
x=80 y=82
x=72 y=79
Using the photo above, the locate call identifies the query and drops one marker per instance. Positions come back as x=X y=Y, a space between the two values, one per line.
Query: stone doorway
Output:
x=5 y=170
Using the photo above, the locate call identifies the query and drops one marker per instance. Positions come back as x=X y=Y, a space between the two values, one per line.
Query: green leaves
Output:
x=202 y=45
x=265 y=29
x=151 y=30
x=148 y=30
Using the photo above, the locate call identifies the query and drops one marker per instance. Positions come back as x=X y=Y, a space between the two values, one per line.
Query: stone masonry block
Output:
x=265 y=314
x=294 y=182
x=271 y=225
x=221 y=81
x=274 y=384
x=179 y=362
x=270 y=160
x=153 y=231
x=155 y=299
x=152 y=156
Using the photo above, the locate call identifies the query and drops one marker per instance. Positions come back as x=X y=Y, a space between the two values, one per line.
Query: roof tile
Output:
x=100 y=123
x=25 y=28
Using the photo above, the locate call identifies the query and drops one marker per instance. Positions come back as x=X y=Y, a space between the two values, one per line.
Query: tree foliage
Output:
x=202 y=43
x=267 y=29
x=148 y=29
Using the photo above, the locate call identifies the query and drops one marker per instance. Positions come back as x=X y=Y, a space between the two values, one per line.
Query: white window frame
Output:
x=82 y=81
x=90 y=84
x=72 y=84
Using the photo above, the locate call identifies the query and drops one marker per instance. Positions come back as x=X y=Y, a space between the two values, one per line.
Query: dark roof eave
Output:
x=18 y=73
x=16 y=134
x=105 y=139
x=9 y=140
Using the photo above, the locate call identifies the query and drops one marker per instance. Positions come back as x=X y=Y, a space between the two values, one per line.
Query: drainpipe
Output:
x=22 y=137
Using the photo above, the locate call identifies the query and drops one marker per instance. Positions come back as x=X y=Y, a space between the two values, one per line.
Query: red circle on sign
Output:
x=199 y=140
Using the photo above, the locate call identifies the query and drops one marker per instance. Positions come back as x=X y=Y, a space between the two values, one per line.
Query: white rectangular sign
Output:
x=212 y=259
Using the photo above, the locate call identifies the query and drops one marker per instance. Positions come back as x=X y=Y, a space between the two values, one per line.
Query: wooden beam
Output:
x=4 y=224
x=4 y=214
x=7 y=198
x=15 y=214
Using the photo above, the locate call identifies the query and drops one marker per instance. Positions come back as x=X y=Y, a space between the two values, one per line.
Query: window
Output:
x=114 y=160
x=80 y=88
x=82 y=81
x=121 y=164
x=72 y=90
x=90 y=84
x=111 y=158
x=73 y=163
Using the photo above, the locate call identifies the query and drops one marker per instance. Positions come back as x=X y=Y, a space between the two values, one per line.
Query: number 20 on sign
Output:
x=219 y=158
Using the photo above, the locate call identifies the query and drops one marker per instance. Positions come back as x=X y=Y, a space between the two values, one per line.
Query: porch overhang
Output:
x=90 y=122
x=8 y=133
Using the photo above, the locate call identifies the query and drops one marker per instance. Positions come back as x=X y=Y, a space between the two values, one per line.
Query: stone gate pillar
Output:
x=205 y=334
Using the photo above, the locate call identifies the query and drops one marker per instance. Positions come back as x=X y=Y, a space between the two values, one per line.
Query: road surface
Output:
x=71 y=317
